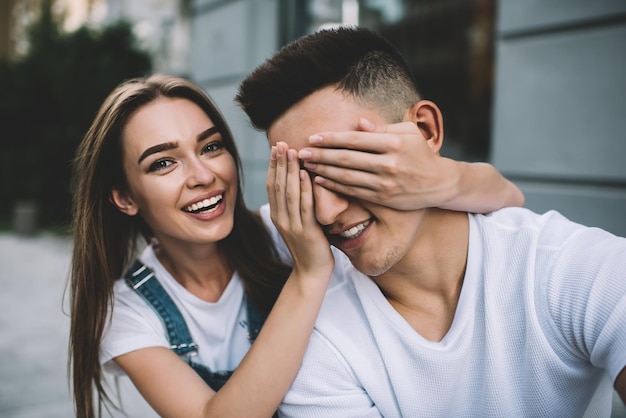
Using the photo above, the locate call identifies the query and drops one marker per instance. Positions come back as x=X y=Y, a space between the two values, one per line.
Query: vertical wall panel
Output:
x=559 y=126
x=560 y=104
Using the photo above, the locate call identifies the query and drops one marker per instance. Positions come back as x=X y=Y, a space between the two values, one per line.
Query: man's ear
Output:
x=123 y=202
x=429 y=120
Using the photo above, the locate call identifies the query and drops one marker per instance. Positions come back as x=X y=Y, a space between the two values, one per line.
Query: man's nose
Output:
x=328 y=204
x=199 y=173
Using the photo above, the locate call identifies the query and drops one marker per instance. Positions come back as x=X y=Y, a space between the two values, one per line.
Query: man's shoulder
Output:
x=516 y=216
x=341 y=287
x=264 y=213
x=341 y=308
x=550 y=227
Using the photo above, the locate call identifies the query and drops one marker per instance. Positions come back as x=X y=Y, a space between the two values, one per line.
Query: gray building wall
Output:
x=559 y=104
x=229 y=38
x=161 y=26
x=559 y=126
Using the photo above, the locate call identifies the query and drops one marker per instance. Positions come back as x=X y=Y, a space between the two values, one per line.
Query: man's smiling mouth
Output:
x=355 y=231
x=206 y=205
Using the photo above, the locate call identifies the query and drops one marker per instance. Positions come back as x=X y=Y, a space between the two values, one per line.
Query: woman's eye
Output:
x=159 y=165
x=212 y=147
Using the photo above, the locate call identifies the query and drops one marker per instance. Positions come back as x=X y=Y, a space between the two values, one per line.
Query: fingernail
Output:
x=273 y=153
x=320 y=180
x=309 y=165
x=305 y=153
x=280 y=149
x=315 y=139
x=366 y=123
x=290 y=154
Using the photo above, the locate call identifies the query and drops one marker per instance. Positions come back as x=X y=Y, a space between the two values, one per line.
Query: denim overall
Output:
x=138 y=278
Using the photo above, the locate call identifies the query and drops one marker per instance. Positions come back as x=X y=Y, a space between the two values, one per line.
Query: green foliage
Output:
x=47 y=100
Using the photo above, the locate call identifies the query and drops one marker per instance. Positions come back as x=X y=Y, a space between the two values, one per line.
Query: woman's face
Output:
x=181 y=178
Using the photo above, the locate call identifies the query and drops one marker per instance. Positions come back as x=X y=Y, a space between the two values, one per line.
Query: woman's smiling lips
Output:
x=206 y=205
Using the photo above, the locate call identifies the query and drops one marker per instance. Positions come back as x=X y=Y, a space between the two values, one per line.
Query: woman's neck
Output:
x=201 y=269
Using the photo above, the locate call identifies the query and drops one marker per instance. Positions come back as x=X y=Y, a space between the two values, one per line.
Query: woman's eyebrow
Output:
x=205 y=134
x=157 y=148
x=171 y=145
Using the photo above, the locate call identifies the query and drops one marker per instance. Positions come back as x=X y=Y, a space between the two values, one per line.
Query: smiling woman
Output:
x=175 y=160
x=160 y=163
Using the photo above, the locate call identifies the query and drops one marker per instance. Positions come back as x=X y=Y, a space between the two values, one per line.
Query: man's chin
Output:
x=369 y=267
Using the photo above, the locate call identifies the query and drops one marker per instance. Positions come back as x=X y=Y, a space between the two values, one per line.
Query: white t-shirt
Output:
x=219 y=328
x=539 y=331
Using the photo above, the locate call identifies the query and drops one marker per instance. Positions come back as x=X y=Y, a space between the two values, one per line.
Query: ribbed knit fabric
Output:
x=539 y=331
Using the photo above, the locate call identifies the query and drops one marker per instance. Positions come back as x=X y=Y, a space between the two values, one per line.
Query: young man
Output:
x=441 y=313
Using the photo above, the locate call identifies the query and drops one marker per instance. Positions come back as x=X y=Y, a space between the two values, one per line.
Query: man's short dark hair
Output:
x=357 y=60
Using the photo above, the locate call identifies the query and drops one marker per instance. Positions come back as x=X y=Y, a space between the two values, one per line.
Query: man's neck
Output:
x=424 y=287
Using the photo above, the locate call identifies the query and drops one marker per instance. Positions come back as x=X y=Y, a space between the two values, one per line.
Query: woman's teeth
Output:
x=355 y=231
x=207 y=205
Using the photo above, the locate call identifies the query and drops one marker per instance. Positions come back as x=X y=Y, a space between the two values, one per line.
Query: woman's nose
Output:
x=199 y=173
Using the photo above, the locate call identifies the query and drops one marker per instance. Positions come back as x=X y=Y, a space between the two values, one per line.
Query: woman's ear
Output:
x=123 y=202
x=429 y=120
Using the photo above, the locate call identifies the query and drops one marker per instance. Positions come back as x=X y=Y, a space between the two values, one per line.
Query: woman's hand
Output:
x=393 y=165
x=290 y=196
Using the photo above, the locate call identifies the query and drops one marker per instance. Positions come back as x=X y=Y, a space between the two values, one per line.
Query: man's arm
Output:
x=392 y=165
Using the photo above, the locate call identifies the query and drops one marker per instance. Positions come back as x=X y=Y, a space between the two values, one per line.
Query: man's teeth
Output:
x=355 y=231
x=207 y=205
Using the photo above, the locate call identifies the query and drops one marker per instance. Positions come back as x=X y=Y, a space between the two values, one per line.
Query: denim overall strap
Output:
x=141 y=279
x=217 y=379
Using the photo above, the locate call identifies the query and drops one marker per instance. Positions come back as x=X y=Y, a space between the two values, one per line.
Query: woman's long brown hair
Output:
x=105 y=240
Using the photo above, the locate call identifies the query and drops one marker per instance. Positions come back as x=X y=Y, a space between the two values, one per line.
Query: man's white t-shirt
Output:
x=219 y=328
x=539 y=331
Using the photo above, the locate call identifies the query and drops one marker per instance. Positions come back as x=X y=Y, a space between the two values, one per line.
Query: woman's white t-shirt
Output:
x=219 y=328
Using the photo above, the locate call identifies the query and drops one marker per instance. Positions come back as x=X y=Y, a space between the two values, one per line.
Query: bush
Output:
x=47 y=100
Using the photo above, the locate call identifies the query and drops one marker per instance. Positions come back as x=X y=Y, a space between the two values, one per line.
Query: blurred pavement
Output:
x=34 y=329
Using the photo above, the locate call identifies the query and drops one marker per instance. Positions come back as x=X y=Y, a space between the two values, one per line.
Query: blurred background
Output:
x=537 y=88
